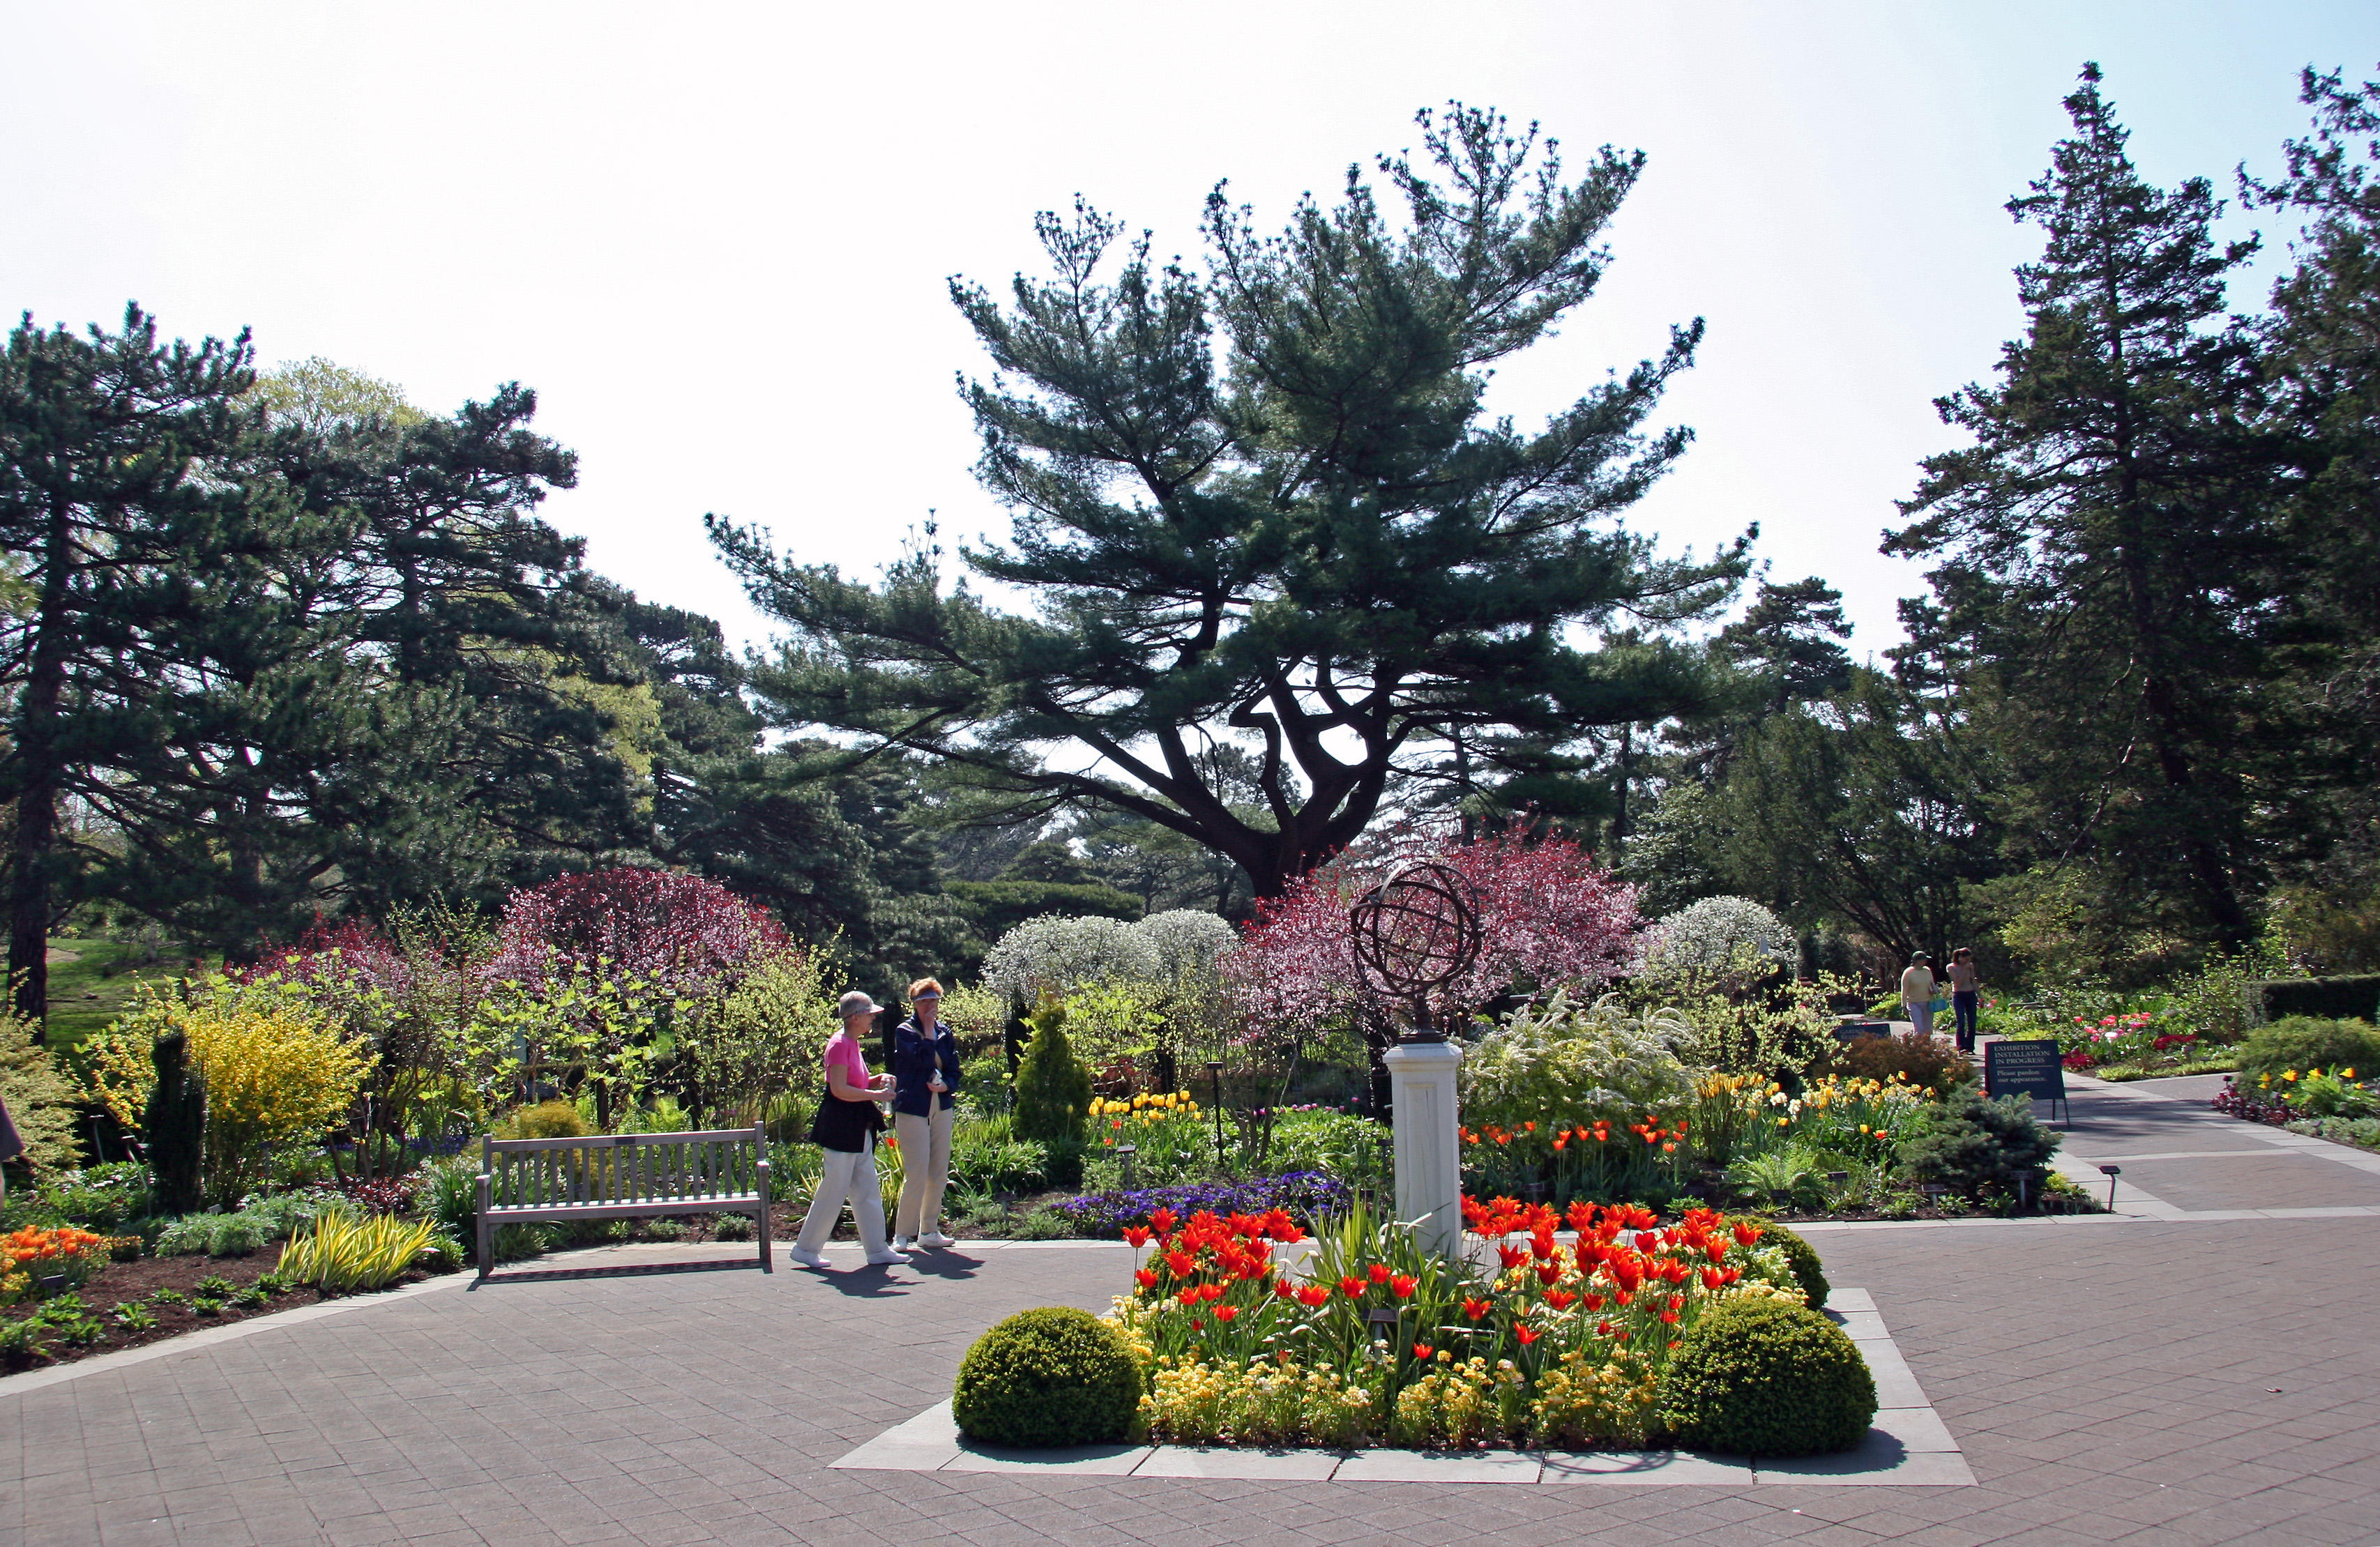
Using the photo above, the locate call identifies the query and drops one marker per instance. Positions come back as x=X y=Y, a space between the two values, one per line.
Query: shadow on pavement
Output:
x=621 y=1270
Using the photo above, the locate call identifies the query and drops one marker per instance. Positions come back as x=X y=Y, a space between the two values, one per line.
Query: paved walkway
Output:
x=2152 y=1379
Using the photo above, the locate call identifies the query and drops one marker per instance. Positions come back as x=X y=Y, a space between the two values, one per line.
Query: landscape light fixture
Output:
x=2111 y=1173
x=1128 y=1153
x=1215 y=1076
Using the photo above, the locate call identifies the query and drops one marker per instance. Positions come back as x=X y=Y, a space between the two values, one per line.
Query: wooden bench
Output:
x=623 y=1176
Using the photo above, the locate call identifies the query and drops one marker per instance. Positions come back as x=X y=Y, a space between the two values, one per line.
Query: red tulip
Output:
x=1351 y=1287
x=1224 y=1313
x=1136 y=1236
x=1526 y=1334
x=1422 y=1350
x=1145 y=1279
x=1560 y=1299
x=1380 y=1272
x=1162 y=1221
x=1402 y=1286
x=1474 y=1309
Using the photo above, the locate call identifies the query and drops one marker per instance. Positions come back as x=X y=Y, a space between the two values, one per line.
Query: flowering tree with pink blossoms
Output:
x=1548 y=913
x=413 y=1001
x=591 y=970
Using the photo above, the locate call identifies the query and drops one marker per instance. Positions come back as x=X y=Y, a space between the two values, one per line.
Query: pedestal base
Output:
x=1429 y=1160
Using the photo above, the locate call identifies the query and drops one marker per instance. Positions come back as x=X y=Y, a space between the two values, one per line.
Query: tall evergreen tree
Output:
x=1315 y=544
x=2106 y=542
x=106 y=444
x=2323 y=349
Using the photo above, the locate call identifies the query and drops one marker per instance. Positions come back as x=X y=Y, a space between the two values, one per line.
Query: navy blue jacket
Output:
x=915 y=1058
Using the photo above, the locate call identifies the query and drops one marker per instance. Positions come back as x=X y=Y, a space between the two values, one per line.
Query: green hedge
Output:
x=1761 y=1377
x=2302 y=1042
x=2332 y=999
x=1055 y=1376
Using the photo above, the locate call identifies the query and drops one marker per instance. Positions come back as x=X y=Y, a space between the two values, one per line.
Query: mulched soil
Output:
x=136 y=1281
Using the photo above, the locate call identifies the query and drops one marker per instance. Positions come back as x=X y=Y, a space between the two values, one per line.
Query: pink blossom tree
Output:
x=592 y=968
x=1550 y=916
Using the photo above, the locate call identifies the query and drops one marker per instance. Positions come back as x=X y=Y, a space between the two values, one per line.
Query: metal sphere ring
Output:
x=1419 y=930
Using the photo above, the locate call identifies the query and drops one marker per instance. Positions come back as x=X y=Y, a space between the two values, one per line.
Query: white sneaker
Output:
x=885 y=1259
x=805 y=1257
x=935 y=1238
x=905 y=1243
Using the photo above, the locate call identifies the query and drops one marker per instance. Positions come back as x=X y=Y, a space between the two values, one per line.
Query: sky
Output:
x=716 y=239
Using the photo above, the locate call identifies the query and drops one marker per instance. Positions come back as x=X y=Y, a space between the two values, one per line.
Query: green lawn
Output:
x=90 y=984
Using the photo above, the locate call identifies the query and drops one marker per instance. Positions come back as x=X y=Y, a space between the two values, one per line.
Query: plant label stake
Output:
x=2111 y=1173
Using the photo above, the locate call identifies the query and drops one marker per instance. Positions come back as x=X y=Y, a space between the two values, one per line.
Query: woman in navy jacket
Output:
x=924 y=1072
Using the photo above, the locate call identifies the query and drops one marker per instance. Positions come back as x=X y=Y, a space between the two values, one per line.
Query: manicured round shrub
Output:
x=1055 y=1376
x=1765 y=1377
x=1803 y=1258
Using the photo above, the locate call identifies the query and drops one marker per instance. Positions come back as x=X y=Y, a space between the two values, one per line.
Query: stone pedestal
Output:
x=1429 y=1159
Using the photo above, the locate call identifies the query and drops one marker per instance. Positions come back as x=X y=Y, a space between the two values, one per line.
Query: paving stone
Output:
x=1645 y=1467
x=1408 y=1465
x=1239 y=1463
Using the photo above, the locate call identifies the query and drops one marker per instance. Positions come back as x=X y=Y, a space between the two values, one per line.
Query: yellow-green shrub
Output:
x=342 y=1253
x=276 y=1071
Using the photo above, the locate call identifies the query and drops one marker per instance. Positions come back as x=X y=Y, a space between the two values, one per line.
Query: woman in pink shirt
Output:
x=846 y=1127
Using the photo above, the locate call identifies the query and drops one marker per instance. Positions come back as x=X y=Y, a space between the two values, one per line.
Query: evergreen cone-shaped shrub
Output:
x=174 y=1128
x=1056 y=1376
x=1765 y=1377
x=1053 y=1087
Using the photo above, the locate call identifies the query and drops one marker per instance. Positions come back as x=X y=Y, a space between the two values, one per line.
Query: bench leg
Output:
x=487 y=1236
x=761 y=1224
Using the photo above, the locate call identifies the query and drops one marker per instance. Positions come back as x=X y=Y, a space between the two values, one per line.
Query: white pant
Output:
x=1921 y=1019
x=850 y=1177
x=925 y=1169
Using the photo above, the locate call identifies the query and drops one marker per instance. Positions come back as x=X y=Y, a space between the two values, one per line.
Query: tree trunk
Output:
x=37 y=795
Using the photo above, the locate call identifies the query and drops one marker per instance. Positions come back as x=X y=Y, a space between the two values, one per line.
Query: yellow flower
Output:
x=2346 y=1074
x=2290 y=1075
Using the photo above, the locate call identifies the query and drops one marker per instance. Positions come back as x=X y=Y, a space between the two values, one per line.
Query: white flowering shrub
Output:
x=1188 y=943
x=1563 y=1061
x=1055 y=955
x=1717 y=944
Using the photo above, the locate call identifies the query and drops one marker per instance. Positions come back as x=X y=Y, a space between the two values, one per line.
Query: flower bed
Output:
x=1305 y=1194
x=1383 y=1342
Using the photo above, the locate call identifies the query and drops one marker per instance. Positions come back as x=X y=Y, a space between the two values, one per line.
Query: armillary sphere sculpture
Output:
x=1416 y=932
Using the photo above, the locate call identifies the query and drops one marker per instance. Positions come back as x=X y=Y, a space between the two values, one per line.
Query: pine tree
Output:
x=1303 y=536
x=106 y=442
x=2103 y=546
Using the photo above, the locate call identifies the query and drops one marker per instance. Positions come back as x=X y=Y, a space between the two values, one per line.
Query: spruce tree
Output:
x=2104 y=549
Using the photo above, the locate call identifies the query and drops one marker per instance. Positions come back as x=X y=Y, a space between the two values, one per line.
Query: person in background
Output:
x=924 y=1072
x=1917 y=993
x=846 y=1127
x=1965 y=988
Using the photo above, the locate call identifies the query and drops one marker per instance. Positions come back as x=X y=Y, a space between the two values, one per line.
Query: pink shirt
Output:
x=841 y=1049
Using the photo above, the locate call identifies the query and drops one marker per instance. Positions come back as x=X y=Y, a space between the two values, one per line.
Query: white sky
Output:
x=714 y=238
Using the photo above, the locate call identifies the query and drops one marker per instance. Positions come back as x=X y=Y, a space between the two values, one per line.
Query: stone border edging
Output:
x=1908 y=1446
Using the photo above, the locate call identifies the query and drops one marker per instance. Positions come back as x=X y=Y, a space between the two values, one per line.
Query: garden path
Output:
x=2180 y=1159
x=2109 y=1379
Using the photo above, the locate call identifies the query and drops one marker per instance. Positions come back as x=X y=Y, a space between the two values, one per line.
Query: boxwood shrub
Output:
x=1802 y=1257
x=1765 y=1377
x=1055 y=1376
